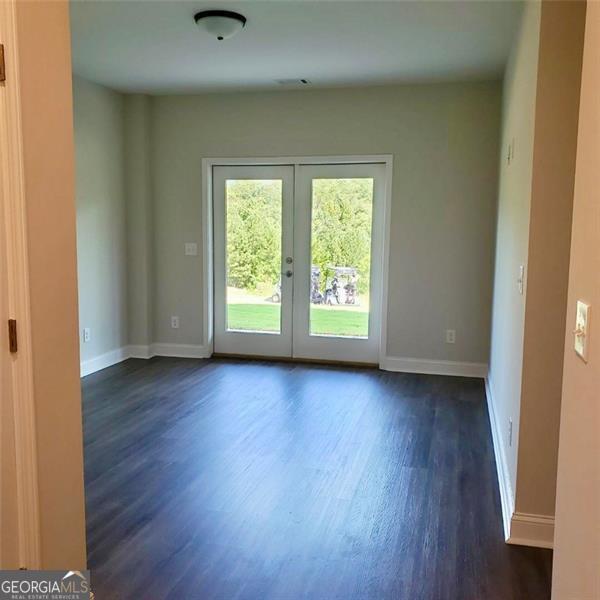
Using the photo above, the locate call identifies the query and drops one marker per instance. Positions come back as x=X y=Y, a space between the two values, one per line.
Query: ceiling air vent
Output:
x=293 y=81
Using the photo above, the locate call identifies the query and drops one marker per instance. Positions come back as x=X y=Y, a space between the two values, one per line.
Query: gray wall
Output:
x=444 y=139
x=139 y=170
x=138 y=190
x=101 y=239
x=514 y=202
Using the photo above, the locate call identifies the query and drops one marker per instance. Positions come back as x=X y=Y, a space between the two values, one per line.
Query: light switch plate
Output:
x=582 y=329
x=191 y=249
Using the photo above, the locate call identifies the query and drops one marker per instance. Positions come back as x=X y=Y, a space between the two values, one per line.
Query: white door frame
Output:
x=260 y=343
x=336 y=347
x=13 y=211
x=296 y=161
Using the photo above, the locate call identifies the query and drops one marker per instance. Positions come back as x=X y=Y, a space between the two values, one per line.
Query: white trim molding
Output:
x=14 y=220
x=139 y=351
x=522 y=529
x=180 y=350
x=531 y=530
x=207 y=224
x=433 y=367
x=507 y=498
x=108 y=359
x=113 y=357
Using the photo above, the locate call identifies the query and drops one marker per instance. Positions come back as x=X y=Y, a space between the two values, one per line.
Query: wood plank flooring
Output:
x=226 y=479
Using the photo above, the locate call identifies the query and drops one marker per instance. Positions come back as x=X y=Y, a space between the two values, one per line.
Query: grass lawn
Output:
x=324 y=321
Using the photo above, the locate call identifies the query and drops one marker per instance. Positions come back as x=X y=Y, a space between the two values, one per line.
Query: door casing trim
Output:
x=207 y=227
x=13 y=209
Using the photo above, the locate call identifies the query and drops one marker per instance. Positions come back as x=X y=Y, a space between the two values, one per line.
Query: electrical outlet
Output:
x=87 y=334
x=521 y=278
x=450 y=336
x=175 y=322
x=510 y=429
x=191 y=249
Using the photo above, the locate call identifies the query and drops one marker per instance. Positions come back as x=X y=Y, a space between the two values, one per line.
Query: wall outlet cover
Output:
x=521 y=279
x=191 y=249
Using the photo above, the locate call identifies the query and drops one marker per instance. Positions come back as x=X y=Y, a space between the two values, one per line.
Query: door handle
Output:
x=288 y=273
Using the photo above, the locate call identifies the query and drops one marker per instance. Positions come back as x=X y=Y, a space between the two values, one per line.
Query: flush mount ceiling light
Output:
x=221 y=24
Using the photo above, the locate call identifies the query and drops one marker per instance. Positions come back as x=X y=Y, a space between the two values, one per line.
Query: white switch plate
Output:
x=175 y=322
x=450 y=336
x=87 y=334
x=191 y=249
x=582 y=329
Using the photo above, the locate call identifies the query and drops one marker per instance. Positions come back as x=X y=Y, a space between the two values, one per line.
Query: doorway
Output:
x=298 y=260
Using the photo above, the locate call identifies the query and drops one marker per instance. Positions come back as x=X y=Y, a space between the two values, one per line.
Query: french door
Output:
x=298 y=260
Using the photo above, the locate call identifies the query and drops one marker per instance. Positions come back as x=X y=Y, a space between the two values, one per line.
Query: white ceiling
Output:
x=155 y=46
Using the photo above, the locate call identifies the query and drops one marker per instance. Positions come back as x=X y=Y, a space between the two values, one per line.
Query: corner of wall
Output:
x=138 y=190
x=534 y=216
x=552 y=190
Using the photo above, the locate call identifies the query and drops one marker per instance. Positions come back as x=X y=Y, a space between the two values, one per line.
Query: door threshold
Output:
x=294 y=359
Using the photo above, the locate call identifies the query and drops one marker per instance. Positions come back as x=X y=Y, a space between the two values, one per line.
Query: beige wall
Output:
x=514 y=198
x=9 y=543
x=47 y=117
x=576 y=572
x=101 y=214
x=556 y=117
x=444 y=139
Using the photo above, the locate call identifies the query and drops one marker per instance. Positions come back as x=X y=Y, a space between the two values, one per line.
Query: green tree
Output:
x=253 y=232
x=341 y=226
x=340 y=235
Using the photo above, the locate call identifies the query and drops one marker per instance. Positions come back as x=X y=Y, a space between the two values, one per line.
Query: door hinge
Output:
x=2 y=68
x=12 y=335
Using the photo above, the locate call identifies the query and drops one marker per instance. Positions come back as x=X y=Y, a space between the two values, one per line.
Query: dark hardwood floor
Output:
x=228 y=479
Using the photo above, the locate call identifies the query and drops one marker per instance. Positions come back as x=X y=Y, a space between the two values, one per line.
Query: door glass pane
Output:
x=253 y=255
x=342 y=212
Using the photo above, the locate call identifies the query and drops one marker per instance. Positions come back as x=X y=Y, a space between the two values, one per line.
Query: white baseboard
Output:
x=138 y=351
x=180 y=350
x=433 y=367
x=507 y=498
x=104 y=360
x=532 y=530
x=522 y=529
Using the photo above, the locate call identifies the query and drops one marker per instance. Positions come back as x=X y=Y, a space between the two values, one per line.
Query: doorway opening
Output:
x=298 y=259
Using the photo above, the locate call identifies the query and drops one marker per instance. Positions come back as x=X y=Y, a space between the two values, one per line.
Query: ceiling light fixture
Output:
x=221 y=24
